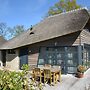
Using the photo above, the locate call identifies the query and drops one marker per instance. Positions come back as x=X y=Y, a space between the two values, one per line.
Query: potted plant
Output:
x=80 y=71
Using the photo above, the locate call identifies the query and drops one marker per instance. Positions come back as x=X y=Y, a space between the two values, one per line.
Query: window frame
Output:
x=11 y=51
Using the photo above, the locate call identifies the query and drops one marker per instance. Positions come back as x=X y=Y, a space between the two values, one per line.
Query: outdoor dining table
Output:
x=54 y=71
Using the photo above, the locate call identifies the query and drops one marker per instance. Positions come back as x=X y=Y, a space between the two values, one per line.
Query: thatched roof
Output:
x=51 y=27
x=2 y=40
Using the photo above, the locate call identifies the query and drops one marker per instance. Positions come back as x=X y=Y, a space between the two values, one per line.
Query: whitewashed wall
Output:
x=1 y=64
x=12 y=61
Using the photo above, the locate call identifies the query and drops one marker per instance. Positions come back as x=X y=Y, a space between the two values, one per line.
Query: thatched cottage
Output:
x=62 y=40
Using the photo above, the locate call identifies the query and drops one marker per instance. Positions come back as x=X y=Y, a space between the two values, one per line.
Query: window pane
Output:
x=72 y=69
x=70 y=62
x=41 y=61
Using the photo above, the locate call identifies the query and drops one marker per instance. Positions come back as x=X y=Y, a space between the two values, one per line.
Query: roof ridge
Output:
x=69 y=12
x=58 y=15
x=63 y=13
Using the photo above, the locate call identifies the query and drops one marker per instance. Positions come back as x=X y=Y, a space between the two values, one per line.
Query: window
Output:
x=70 y=62
x=11 y=51
x=70 y=55
x=66 y=57
x=87 y=30
x=71 y=69
x=41 y=61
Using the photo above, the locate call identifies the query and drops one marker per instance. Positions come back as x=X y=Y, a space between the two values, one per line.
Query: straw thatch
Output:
x=51 y=27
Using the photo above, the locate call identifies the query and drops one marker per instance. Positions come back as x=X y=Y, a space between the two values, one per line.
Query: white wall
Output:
x=12 y=61
x=1 y=64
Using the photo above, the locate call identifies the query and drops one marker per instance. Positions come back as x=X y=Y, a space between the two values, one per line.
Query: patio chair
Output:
x=47 y=65
x=48 y=76
x=58 y=75
x=37 y=74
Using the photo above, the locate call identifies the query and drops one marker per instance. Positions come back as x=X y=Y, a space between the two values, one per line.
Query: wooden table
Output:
x=55 y=71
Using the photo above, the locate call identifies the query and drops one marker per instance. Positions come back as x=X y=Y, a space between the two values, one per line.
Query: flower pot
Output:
x=80 y=75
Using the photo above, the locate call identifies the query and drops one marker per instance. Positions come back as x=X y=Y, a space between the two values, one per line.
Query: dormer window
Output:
x=31 y=33
x=31 y=30
x=11 y=51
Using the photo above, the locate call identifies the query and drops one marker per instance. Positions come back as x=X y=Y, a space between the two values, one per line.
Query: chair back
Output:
x=47 y=65
x=37 y=71
x=47 y=73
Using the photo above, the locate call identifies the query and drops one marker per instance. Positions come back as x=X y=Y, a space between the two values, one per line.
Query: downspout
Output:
x=80 y=51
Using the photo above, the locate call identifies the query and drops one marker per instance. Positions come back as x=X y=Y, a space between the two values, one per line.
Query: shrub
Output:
x=81 y=69
x=11 y=80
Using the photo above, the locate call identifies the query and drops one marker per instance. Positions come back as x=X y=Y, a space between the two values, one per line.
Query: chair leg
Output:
x=40 y=79
x=44 y=79
x=50 y=81
x=54 y=80
x=60 y=76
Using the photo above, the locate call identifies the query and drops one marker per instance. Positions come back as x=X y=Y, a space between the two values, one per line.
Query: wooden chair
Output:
x=47 y=76
x=37 y=74
x=58 y=75
x=47 y=65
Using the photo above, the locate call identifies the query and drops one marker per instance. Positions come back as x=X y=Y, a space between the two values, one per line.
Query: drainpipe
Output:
x=80 y=51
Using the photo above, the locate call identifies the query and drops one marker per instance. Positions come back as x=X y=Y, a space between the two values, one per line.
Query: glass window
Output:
x=11 y=51
x=72 y=69
x=66 y=57
x=70 y=62
x=58 y=55
x=59 y=62
x=41 y=61
x=70 y=55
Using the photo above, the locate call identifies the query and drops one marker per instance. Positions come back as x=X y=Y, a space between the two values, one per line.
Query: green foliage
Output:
x=81 y=68
x=3 y=29
x=25 y=67
x=16 y=30
x=87 y=64
x=36 y=85
x=11 y=80
x=14 y=80
x=8 y=32
x=63 y=6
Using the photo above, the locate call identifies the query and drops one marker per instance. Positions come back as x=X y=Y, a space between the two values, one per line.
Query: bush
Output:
x=81 y=69
x=11 y=80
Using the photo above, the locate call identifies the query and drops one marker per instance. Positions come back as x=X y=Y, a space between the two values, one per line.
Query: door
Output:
x=23 y=56
x=3 y=57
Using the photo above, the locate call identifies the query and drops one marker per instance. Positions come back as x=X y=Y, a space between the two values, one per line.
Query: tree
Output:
x=16 y=30
x=8 y=32
x=3 y=29
x=63 y=6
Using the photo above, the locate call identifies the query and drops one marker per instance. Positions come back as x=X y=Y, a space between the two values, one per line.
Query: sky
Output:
x=27 y=12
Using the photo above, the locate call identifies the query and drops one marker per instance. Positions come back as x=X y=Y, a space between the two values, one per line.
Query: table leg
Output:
x=59 y=76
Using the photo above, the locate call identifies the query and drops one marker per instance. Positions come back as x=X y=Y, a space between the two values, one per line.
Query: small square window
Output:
x=70 y=55
x=11 y=51
x=41 y=61
x=70 y=62
x=72 y=69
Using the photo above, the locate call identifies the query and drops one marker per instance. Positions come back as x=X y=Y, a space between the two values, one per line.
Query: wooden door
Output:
x=23 y=56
